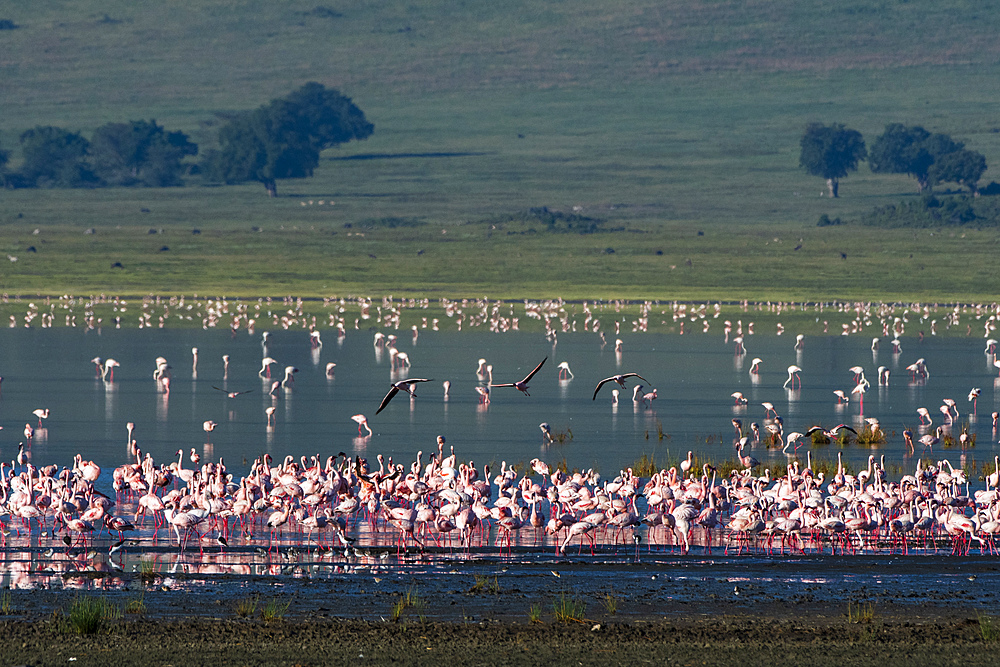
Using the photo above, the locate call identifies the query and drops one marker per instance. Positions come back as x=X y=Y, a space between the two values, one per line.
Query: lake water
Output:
x=694 y=376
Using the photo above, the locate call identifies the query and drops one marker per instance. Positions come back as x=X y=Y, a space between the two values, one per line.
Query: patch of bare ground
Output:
x=718 y=640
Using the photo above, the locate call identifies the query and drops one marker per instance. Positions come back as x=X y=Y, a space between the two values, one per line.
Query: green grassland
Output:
x=653 y=121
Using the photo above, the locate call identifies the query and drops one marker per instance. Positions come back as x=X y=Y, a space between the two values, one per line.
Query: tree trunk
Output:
x=834 y=185
x=272 y=188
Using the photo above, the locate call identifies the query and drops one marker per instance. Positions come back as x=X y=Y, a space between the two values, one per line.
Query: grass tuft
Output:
x=566 y=609
x=274 y=610
x=860 y=613
x=486 y=584
x=246 y=607
x=989 y=628
x=90 y=615
x=409 y=600
x=147 y=571
x=610 y=602
x=535 y=613
x=136 y=605
x=6 y=603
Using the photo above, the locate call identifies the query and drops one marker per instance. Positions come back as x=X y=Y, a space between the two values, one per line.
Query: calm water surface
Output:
x=693 y=375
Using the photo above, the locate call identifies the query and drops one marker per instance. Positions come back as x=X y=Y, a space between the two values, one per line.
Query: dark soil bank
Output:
x=715 y=640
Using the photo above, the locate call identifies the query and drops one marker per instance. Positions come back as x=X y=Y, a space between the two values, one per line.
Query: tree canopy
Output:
x=963 y=166
x=914 y=151
x=54 y=157
x=831 y=152
x=139 y=152
x=283 y=139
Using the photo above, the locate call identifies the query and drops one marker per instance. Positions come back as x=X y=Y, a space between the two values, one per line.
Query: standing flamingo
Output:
x=973 y=396
x=793 y=374
x=108 y=372
x=41 y=414
x=362 y=422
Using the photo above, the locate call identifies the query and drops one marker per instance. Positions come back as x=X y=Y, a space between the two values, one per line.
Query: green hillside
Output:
x=654 y=120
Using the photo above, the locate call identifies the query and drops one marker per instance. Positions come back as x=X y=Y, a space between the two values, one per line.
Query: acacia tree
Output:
x=831 y=151
x=963 y=166
x=54 y=157
x=910 y=150
x=283 y=139
x=139 y=152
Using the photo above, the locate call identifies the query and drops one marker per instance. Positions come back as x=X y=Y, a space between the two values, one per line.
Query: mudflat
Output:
x=709 y=633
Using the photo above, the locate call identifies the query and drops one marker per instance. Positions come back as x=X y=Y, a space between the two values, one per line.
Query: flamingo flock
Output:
x=448 y=503
x=444 y=503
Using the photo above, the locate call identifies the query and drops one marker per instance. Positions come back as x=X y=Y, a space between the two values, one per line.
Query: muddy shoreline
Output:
x=493 y=627
x=722 y=639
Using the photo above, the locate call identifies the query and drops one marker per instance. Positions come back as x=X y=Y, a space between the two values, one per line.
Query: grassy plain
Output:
x=658 y=120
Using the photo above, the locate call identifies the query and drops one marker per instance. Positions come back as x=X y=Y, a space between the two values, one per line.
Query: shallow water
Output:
x=694 y=376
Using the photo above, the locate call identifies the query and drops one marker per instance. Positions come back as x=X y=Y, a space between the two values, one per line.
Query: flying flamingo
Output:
x=620 y=379
x=402 y=385
x=231 y=394
x=522 y=385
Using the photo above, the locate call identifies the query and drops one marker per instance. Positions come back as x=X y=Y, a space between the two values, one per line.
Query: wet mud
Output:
x=429 y=609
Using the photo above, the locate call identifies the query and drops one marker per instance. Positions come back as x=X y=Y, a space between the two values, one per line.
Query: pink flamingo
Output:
x=362 y=422
x=522 y=385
